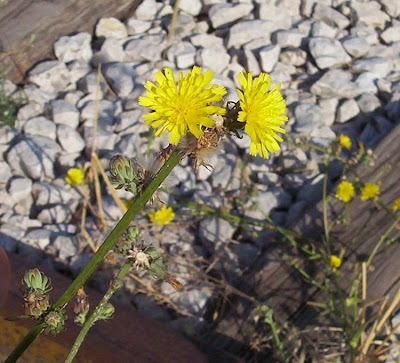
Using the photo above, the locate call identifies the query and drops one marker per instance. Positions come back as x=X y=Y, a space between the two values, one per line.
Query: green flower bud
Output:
x=105 y=312
x=131 y=234
x=34 y=280
x=55 y=321
x=125 y=173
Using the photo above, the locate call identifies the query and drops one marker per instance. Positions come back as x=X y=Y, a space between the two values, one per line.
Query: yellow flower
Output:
x=396 y=205
x=75 y=176
x=335 y=261
x=370 y=191
x=263 y=110
x=162 y=216
x=345 y=141
x=183 y=105
x=345 y=191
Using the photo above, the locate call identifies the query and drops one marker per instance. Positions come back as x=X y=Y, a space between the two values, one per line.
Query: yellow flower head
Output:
x=396 y=205
x=345 y=191
x=335 y=261
x=345 y=141
x=263 y=110
x=162 y=216
x=183 y=105
x=370 y=191
x=75 y=176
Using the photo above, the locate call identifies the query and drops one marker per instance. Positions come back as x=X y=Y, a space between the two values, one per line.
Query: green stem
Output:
x=98 y=257
x=114 y=286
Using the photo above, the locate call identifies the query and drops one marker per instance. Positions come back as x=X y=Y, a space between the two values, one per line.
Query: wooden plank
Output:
x=48 y=21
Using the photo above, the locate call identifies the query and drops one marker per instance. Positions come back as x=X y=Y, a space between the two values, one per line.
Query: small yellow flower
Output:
x=75 y=176
x=345 y=191
x=345 y=141
x=370 y=191
x=183 y=105
x=396 y=205
x=263 y=110
x=335 y=261
x=163 y=216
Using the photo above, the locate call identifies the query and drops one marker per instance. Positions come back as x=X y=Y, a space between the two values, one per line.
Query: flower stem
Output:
x=98 y=257
x=114 y=286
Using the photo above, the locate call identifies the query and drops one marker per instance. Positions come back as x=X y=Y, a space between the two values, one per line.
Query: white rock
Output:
x=250 y=62
x=5 y=172
x=335 y=83
x=295 y=57
x=41 y=126
x=192 y=7
x=328 y=107
x=53 y=215
x=76 y=47
x=330 y=16
x=223 y=170
x=213 y=58
x=88 y=84
x=10 y=237
x=224 y=14
x=377 y=65
x=347 y=110
x=321 y=29
x=368 y=103
x=136 y=26
x=355 y=46
x=279 y=15
x=39 y=238
x=369 y=13
x=70 y=139
x=392 y=7
x=185 y=25
x=147 y=10
x=50 y=76
x=145 y=48
x=215 y=230
x=289 y=38
x=391 y=34
x=308 y=116
x=67 y=246
x=366 y=32
x=37 y=97
x=328 y=52
x=77 y=70
x=246 y=31
x=111 y=51
x=182 y=54
x=269 y=56
x=105 y=139
x=20 y=189
x=26 y=112
x=366 y=82
x=307 y=6
x=45 y=194
x=111 y=28
x=120 y=77
x=65 y=113
x=204 y=40
x=23 y=220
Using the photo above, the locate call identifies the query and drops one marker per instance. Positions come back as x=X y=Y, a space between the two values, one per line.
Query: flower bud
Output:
x=125 y=173
x=34 y=280
x=36 y=303
x=105 y=312
x=55 y=321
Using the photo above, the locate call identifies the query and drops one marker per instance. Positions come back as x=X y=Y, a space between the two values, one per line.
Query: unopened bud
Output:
x=34 y=280
x=105 y=312
x=55 y=321
x=125 y=174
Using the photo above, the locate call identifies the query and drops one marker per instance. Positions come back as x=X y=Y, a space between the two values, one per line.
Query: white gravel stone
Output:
x=328 y=107
x=366 y=32
x=368 y=102
x=289 y=38
x=377 y=65
x=224 y=14
x=347 y=110
x=147 y=10
x=145 y=48
x=295 y=57
x=39 y=238
x=70 y=139
x=328 y=52
x=26 y=112
x=192 y=7
x=50 y=76
x=10 y=237
x=308 y=116
x=392 y=7
x=111 y=28
x=66 y=245
x=75 y=47
x=307 y=6
x=321 y=29
x=249 y=61
x=41 y=126
x=38 y=97
x=88 y=85
x=330 y=16
x=53 y=215
x=7 y=133
x=391 y=34
x=136 y=26
x=213 y=58
x=111 y=51
x=77 y=70
x=120 y=77
x=277 y=14
x=222 y=173
x=20 y=189
x=65 y=113
x=269 y=56
x=356 y=46
x=5 y=172
x=246 y=31
x=204 y=40
x=369 y=13
x=182 y=54
x=215 y=230
x=366 y=82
